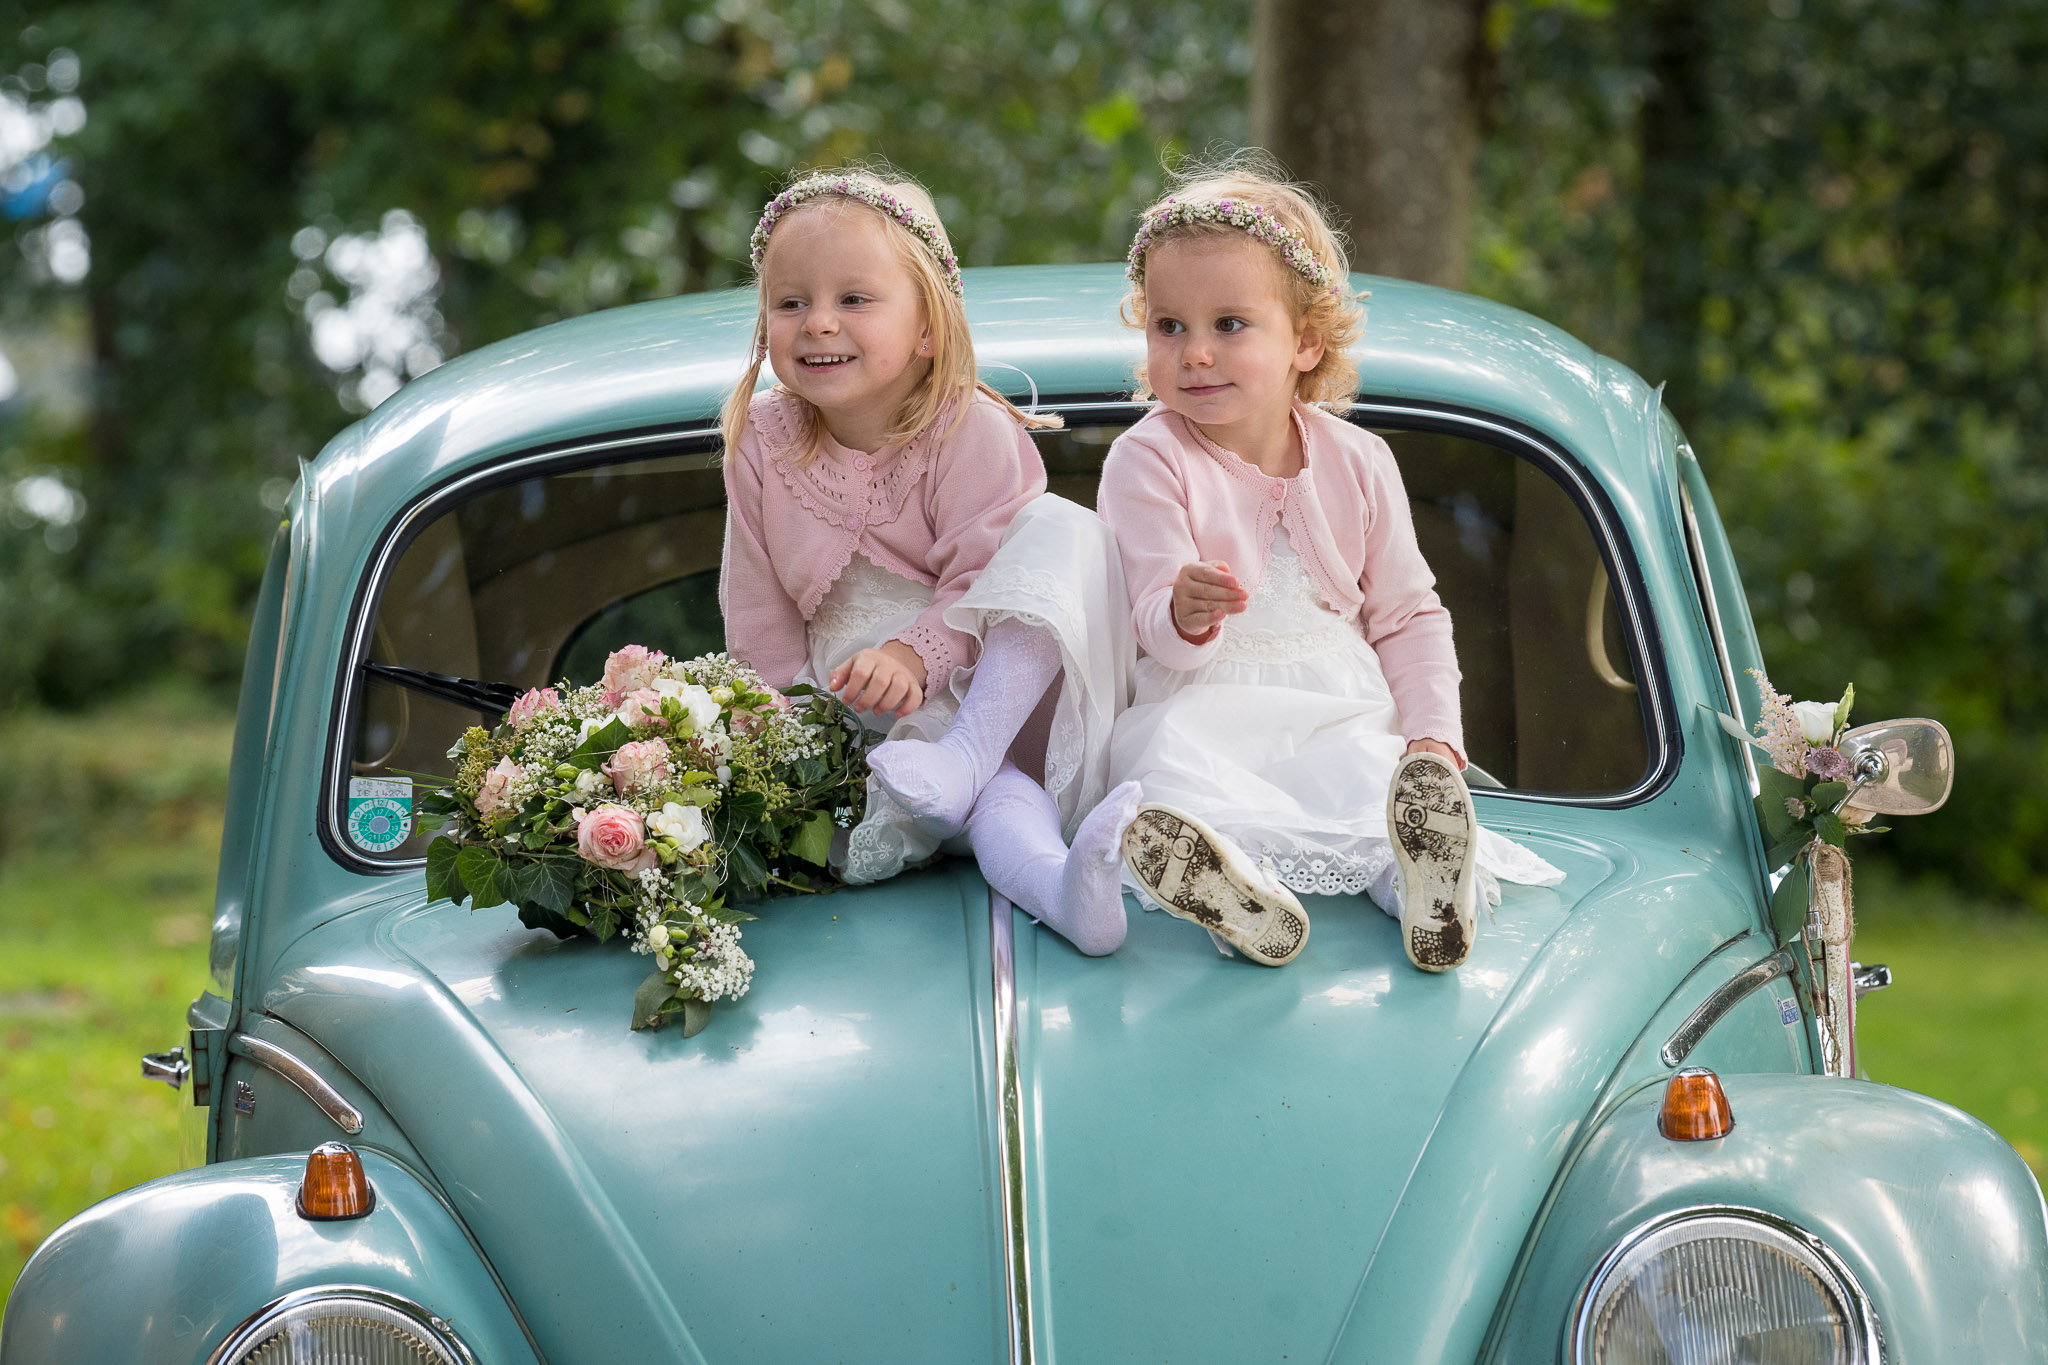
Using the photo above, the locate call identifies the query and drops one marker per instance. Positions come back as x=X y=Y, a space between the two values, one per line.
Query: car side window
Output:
x=519 y=585
x=527 y=582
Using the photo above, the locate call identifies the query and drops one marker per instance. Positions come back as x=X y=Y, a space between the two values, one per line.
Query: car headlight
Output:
x=342 y=1325
x=1712 y=1285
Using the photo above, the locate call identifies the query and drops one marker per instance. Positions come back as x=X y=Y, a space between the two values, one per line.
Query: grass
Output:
x=1965 y=1019
x=106 y=894
x=106 y=891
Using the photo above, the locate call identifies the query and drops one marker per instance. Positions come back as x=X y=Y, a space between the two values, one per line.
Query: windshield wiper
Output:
x=491 y=698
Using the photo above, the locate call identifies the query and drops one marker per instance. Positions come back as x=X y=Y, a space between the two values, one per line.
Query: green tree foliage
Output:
x=1845 y=284
x=561 y=155
x=1817 y=221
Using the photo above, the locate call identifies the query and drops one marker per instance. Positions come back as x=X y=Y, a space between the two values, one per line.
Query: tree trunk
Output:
x=1376 y=102
x=1671 y=209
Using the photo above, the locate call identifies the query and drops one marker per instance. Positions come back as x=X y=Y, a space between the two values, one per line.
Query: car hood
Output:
x=1211 y=1151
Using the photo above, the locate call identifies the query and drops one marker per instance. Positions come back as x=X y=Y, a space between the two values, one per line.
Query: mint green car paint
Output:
x=165 y=1271
x=1937 y=1217
x=1344 y=1160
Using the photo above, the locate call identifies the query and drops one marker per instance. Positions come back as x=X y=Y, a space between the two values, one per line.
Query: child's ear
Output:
x=1308 y=350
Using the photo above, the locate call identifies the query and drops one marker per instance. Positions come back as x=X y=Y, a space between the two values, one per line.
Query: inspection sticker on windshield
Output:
x=379 y=813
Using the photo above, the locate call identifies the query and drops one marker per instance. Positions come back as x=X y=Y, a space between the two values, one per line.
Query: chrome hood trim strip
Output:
x=1009 y=1127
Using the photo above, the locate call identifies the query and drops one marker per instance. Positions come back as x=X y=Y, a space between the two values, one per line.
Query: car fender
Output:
x=1936 y=1216
x=163 y=1273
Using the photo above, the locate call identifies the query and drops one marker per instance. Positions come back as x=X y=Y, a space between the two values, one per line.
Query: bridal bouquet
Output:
x=645 y=806
x=1800 y=795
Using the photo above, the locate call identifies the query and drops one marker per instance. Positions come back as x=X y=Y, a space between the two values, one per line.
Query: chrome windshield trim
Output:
x=307 y=1081
x=1867 y=1344
x=1007 y=1104
x=1630 y=604
x=435 y=1329
x=1696 y=550
x=1715 y=1007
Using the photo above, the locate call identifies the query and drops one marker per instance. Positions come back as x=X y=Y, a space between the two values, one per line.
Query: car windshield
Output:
x=533 y=581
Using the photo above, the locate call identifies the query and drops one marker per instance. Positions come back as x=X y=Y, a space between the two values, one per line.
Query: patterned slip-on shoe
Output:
x=1436 y=839
x=1197 y=875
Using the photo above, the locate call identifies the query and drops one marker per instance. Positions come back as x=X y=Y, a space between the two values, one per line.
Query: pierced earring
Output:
x=924 y=348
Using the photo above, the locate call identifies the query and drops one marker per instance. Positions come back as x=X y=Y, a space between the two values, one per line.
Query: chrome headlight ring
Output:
x=1860 y=1338
x=414 y=1334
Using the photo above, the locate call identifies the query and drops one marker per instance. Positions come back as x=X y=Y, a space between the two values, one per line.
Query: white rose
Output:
x=588 y=781
x=658 y=936
x=704 y=711
x=661 y=958
x=682 y=825
x=1816 y=720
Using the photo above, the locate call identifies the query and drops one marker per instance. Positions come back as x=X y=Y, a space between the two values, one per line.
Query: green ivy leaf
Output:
x=649 y=998
x=1774 y=789
x=1788 y=904
x=813 y=841
x=443 y=883
x=600 y=745
x=1785 y=850
x=477 y=865
x=747 y=866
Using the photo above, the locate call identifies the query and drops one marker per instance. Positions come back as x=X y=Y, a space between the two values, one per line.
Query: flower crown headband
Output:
x=921 y=225
x=1254 y=221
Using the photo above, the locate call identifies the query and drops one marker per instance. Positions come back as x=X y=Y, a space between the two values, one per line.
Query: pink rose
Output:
x=632 y=668
x=532 y=704
x=495 y=796
x=641 y=708
x=640 y=764
x=612 y=836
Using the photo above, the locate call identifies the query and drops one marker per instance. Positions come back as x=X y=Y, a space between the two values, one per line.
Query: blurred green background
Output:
x=236 y=225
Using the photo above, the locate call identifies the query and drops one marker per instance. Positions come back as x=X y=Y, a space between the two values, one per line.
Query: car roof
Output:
x=669 y=364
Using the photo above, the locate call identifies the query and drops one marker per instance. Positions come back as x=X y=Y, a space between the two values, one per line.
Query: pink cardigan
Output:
x=1172 y=496
x=930 y=510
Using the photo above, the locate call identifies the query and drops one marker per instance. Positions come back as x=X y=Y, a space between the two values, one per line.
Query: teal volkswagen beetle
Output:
x=1626 y=1131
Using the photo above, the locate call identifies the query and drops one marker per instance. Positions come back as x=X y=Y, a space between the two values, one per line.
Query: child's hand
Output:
x=1437 y=747
x=1203 y=594
x=887 y=681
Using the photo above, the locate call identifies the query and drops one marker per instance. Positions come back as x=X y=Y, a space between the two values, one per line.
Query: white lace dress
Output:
x=1058 y=569
x=1285 y=740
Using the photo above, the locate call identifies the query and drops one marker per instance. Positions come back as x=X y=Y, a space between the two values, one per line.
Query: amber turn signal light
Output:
x=1695 y=1107
x=335 y=1185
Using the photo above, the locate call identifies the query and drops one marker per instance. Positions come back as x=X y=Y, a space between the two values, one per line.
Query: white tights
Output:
x=1014 y=830
x=937 y=781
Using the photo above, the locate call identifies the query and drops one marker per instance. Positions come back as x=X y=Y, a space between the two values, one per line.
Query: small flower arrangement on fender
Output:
x=644 y=806
x=1799 y=797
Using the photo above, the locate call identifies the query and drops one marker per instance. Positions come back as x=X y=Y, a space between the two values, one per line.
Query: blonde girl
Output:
x=888 y=536
x=1296 y=726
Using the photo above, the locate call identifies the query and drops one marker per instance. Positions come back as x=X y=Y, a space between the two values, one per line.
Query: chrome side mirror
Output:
x=1899 y=767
